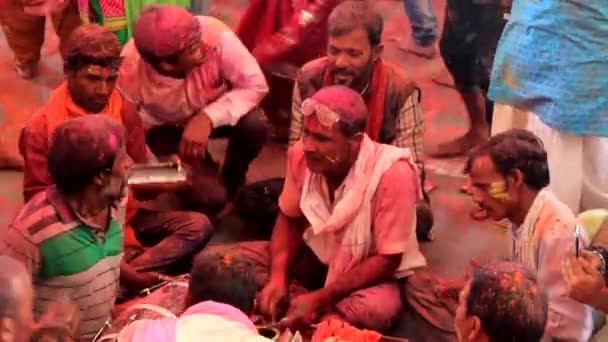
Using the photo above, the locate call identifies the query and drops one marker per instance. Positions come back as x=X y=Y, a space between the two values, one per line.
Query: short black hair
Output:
x=351 y=15
x=81 y=149
x=223 y=278
x=515 y=149
x=506 y=298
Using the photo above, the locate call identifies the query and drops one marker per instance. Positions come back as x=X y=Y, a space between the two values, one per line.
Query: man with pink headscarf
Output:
x=346 y=227
x=192 y=79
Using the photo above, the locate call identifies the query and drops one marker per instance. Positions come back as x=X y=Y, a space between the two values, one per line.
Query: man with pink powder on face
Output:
x=193 y=80
x=346 y=227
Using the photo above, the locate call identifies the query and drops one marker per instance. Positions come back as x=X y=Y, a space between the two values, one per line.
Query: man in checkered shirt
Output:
x=354 y=59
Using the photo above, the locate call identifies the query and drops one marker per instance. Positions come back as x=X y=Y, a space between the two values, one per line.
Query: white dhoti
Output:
x=506 y=117
x=577 y=166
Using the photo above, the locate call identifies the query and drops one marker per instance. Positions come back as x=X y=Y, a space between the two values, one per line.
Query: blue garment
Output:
x=423 y=20
x=552 y=59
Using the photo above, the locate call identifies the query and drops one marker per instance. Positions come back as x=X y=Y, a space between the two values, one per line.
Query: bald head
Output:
x=164 y=31
x=348 y=105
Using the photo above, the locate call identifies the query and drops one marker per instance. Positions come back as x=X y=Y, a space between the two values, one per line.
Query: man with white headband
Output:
x=346 y=227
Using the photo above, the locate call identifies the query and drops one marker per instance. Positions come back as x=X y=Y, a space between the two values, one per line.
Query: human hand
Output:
x=584 y=280
x=269 y=300
x=306 y=308
x=195 y=137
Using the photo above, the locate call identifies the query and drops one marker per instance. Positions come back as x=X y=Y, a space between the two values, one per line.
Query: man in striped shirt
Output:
x=68 y=236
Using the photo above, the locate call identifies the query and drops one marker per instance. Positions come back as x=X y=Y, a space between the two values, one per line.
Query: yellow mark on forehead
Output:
x=98 y=70
x=498 y=190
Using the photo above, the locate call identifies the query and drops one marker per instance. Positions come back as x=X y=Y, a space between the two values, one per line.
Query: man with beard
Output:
x=346 y=227
x=354 y=60
x=192 y=80
x=501 y=302
x=68 y=236
x=91 y=65
x=508 y=177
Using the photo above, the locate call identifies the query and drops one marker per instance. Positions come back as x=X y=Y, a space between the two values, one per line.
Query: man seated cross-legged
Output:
x=346 y=230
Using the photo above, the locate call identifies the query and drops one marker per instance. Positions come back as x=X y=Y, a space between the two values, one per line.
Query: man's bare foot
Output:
x=458 y=146
x=411 y=46
x=428 y=51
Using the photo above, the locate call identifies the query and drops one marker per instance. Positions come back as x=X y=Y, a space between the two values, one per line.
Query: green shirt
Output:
x=66 y=257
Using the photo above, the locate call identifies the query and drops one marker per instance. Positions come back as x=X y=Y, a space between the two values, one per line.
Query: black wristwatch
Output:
x=602 y=254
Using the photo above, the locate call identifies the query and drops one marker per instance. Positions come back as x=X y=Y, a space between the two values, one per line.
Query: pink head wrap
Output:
x=345 y=102
x=164 y=31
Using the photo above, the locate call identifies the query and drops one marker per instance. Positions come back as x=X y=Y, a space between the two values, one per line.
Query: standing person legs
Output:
x=565 y=159
x=424 y=27
x=595 y=178
x=25 y=33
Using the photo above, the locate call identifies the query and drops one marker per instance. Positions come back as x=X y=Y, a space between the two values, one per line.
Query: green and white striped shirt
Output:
x=67 y=257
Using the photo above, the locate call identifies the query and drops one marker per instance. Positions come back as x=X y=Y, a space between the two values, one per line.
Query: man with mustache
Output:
x=346 y=227
x=501 y=302
x=92 y=59
x=354 y=60
x=193 y=80
x=68 y=236
x=508 y=177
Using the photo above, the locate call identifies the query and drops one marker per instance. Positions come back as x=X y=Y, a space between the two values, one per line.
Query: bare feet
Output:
x=428 y=52
x=410 y=46
x=458 y=146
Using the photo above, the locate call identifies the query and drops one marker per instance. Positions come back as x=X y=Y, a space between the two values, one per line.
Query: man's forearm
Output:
x=285 y=243
x=369 y=272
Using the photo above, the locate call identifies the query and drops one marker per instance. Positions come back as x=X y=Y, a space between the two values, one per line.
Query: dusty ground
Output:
x=458 y=239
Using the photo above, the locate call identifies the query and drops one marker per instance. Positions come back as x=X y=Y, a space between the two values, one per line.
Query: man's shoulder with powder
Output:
x=310 y=76
x=35 y=128
x=398 y=82
x=555 y=219
x=213 y=30
x=35 y=216
x=399 y=176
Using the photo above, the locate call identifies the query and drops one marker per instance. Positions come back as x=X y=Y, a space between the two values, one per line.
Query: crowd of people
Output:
x=353 y=201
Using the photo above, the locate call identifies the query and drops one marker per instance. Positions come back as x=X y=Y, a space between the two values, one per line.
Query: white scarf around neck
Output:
x=352 y=208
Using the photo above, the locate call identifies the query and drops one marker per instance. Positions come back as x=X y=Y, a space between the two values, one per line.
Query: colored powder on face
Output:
x=100 y=71
x=498 y=190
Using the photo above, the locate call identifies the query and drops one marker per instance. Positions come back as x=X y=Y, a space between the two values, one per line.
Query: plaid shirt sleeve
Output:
x=295 y=127
x=409 y=127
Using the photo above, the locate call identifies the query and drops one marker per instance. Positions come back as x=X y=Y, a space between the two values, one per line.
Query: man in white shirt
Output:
x=508 y=175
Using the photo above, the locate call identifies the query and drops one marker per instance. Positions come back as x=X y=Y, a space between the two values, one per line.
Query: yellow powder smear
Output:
x=498 y=190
